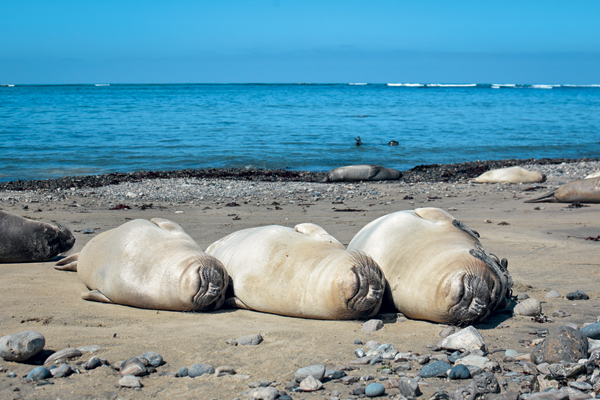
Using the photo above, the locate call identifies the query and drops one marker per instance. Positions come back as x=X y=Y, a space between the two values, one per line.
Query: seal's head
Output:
x=363 y=286
x=49 y=241
x=204 y=282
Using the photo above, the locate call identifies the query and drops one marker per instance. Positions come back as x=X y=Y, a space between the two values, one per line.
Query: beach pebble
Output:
x=473 y=359
x=316 y=371
x=183 y=371
x=264 y=393
x=563 y=344
x=38 y=373
x=21 y=346
x=371 y=343
x=511 y=353
x=64 y=354
x=310 y=384
x=154 y=359
x=224 y=370
x=552 y=294
x=468 y=338
x=583 y=386
x=372 y=325
x=200 y=369
x=381 y=349
x=565 y=371
x=436 y=368
x=459 y=371
x=522 y=296
x=561 y=314
x=93 y=362
x=250 y=340
x=359 y=353
x=529 y=307
x=374 y=390
x=62 y=371
x=592 y=331
x=578 y=295
x=130 y=381
x=133 y=366
x=409 y=387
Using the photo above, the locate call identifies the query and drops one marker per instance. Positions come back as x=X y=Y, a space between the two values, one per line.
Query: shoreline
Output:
x=448 y=173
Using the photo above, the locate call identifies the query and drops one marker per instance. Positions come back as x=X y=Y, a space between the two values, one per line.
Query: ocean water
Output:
x=50 y=131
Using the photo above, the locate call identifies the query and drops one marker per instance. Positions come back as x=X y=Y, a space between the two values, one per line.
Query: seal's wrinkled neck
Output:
x=369 y=286
x=206 y=281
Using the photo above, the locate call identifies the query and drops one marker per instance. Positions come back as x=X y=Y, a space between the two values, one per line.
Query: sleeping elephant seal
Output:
x=582 y=191
x=365 y=172
x=24 y=240
x=510 y=175
x=435 y=266
x=301 y=272
x=149 y=264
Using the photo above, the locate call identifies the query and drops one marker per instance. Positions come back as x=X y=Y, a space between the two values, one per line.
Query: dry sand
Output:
x=545 y=244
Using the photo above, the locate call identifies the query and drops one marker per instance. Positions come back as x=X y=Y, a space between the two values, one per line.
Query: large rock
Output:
x=316 y=371
x=468 y=338
x=21 y=346
x=564 y=344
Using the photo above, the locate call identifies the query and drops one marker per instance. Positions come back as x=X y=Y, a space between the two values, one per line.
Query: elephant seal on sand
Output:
x=364 y=172
x=582 y=191
x=510 y=175
x=25 y=240
x=300 y=272
x=435 y=266
x=149 y=264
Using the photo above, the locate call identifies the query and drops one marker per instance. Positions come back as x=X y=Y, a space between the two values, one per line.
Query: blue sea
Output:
x=49 y=131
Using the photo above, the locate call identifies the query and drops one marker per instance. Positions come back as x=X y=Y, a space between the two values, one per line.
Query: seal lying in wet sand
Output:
x=300 y=272
x=364 y=172
x=24 y=240
x=435 y=266
x=510 y=175
x=582 y=191
x=149 y=264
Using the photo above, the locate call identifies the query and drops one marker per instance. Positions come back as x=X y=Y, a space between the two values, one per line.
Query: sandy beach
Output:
x=546 y=246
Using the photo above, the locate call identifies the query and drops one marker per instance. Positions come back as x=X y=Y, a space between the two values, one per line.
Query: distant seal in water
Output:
x=301 y=272
x=25 y=240
x=510 y=175
x=435 y=266
x=149 y=264
x=582 y=191
x=365 y=172
x=393 y=143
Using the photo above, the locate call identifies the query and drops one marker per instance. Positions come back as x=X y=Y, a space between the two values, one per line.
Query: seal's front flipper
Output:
x=67 y=263
x=234 y=302
x=315 y=231
x=374 y=171
x=167 y=225
x=95 y=295
x=547 y=198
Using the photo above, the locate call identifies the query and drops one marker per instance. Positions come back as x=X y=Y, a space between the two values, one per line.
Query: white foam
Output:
x=102 y=84
x=406 y=84
x=358 y=84
x=544 y=86
x=452 y=84
x=581 y=86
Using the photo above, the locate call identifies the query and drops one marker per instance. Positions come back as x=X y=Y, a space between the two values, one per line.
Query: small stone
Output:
x=153 y=358
x=563 y=344
x=264 y=393
x=21 y=346
x=409 y=387
x=374 y=390
x=64 y=354
x=38 y=373
x=250 y=340
x=372 y=325
x=224 y=370
x=130 y=381
x=436 y=368
x=552 y=294
x=358 y=342
x=381 y=349
x=200 y=369
x=543 y=368
x=92 y=363
x=564 y=371
x=472 y=359
x=334 y=374
x=359 y=353
x=133 y=366
x=522 y=296
x=583 y=386
x=578 y=295
x=310 y=384
x=592 y=331
x=349 y=380
x=183 y=371
x=316 y=371
x=561 y=314
x=511 y=353
x=371 y=343
x=530 y=307
x=87 y=231
x=466 y=339
x=11 y=375
x=459 y=372
x=63 y=371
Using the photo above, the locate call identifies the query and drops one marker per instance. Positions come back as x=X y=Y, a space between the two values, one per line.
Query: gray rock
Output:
x=264 y=393
x=92 y=363
x=349 y=380
x=511 y=353
x=130 y=381
x=250 y=340
x=21 y=346
x=381 y=349
x=316 y=371
x=564 y=371
x=592 y=331
x=529 y=307
x=583 y=386
x=552 y=294
x=578 y=295
x=563 y=344
x=409 y=387
x=153 y=358
x=459 y=371
x=133 y=366
x=468 y=338
x=38 y=373
x=310 y=384
x=472 y=359
x=522 y=296
x=551 y=394
x=359 y=353
x=371 y=343
x=183 y=371
x=436 y=368
x=62 y=371
x=560 y=314
x=200 y=369
x=372 y=325
x=374 y=390
x=64 y=354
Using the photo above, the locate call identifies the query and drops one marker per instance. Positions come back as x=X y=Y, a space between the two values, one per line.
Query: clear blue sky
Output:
x=195 y=41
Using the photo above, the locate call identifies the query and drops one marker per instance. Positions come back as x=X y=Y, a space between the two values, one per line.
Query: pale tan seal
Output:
x=149 y=264
x=593 y=175
x=25 y=240
x=365 y=172
x=300 y=272
x=435 y=266
x=582 y=191
x=510 y=175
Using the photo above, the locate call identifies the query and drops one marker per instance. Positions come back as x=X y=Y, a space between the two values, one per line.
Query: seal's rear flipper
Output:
x=95 y=295
x=315 y=231
x=67 y=263
x=167 y=225
x=547 y=198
